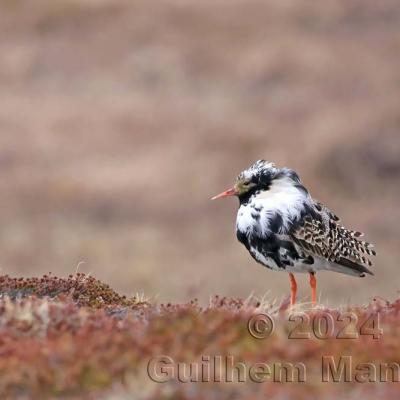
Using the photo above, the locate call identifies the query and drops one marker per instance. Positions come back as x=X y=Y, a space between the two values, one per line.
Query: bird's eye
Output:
x=247 y=185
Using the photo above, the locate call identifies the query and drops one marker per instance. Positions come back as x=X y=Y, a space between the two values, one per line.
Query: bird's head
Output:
x=257 y=177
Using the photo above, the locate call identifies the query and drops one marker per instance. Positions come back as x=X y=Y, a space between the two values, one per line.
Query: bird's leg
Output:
x=313 y=284
x=293 y=289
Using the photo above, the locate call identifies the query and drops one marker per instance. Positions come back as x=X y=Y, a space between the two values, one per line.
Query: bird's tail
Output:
x=348 y=267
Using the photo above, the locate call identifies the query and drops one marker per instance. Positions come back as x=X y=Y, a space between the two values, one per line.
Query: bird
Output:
x=285 y=229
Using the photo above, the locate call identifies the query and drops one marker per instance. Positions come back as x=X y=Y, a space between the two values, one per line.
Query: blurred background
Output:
x=120 y=119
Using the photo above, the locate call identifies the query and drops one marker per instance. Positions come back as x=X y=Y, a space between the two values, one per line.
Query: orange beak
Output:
x=227 y=193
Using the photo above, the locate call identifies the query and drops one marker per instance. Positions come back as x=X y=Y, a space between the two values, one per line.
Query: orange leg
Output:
x=293 y=289
x=313 y=284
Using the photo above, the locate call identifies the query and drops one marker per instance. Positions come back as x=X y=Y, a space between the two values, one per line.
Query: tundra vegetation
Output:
x=76 y=337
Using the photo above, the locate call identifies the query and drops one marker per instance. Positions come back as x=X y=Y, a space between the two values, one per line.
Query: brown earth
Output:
x=119 y=120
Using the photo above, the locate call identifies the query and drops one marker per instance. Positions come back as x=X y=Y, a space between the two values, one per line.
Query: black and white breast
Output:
x=265 y=218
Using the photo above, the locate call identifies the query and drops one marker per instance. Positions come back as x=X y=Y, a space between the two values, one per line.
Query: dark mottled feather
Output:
x=321 y=235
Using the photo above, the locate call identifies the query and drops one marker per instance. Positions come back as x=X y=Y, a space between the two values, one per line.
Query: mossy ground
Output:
x=77 y=338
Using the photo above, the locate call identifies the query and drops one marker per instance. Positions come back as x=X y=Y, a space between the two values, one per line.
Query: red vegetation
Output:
x=77 y=337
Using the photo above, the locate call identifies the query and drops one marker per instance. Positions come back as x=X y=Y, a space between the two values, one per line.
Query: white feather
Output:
x=283 y=197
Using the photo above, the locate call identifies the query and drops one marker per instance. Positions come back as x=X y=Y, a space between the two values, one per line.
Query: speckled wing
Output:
x=319 y=234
